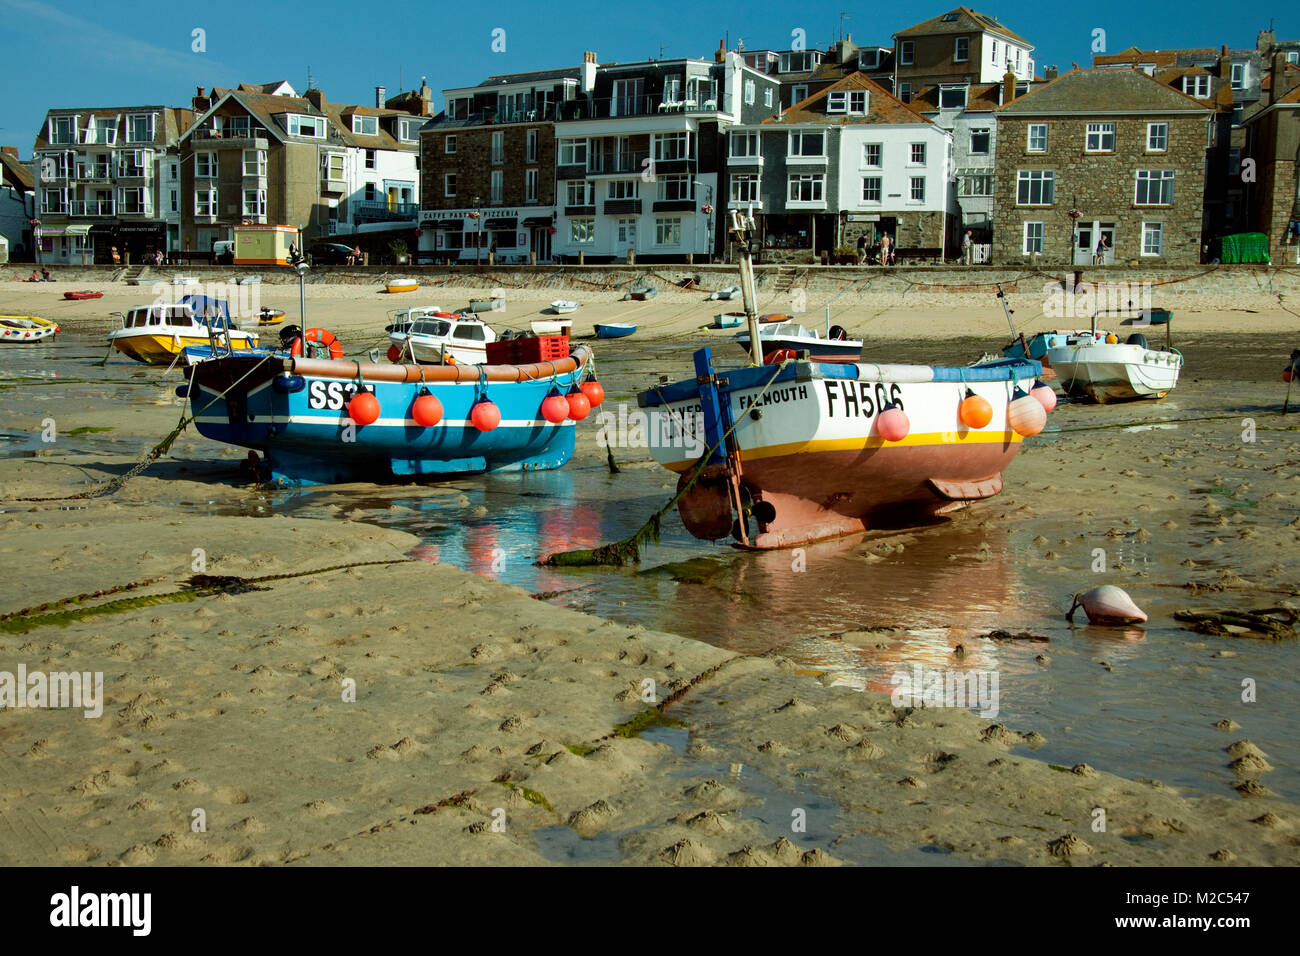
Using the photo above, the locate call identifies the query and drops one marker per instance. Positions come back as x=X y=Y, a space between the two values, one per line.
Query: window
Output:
x=53 y=200
x=333 y=165
x=1197 y=85
x=806 y=188
x=176 y=201
x=1037 y=138
x=952 y=97
x=530 y=146
x=905 y=51
x=980 y=140
x=872 y=154
x=993 y=57
x=313 y=126
x=205 y=165
x=668 y=146
x=767 y=96
x=807 y=144
x=917 y=154
x=905 y=92
x=132 y=201
x=1237 y=114
x=1157 y=137
x=1238 y=76
x=857 y=101
x=744 y=189
x=254 y=162
x=496 y=186
x=1101 y=138
x=918 y=189
x=1155 y=187
x=847 y=101
x=449 y=185
x=104 y=130
x=1033 y=238
x=745 y=144
x=961 y=50
x=623 y=189
x=673 y=188
x=530 y=185
x=798 y=93
x=749 y=92
x=1293 y=56
x=131 y=162
x=139 y=128
x=977 y=184
x=582 y=231
x=573 y=152
x=365 y=125
x=449 y=144
x=498 y=147
x=1153 y=238
x=254 y=202
x=1234 y=160
x=370 y=159
x=581 y=193
x=797 y=62
x=205 y=202
x=871 y=189
x=1036 y=187
x=668 y=232
x=408 y=130
x=370 y=193
x=63 y=129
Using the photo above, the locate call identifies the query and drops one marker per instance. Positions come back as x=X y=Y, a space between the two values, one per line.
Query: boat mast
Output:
x=742 y=231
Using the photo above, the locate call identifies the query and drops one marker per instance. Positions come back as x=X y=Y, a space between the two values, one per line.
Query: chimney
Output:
x=200 y=102
x=721 y=55
x=1264 y=43
x=1050 y=73
x=316 y=98
x=1008 y=87
x=426 y=98
x=380 y=93
x=9 y=151
x=588 y=71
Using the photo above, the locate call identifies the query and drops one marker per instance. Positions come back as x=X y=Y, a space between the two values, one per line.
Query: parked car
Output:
x=330 y=253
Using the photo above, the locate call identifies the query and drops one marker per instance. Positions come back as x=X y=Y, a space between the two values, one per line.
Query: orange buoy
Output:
x=1112 y=338
x=594 y=391
x=555 y=408
x=426 y=409
x=1045 y=394
x=579 y=407
x=364 y=408
x=893 y=423
x=1026 y=414
x=975 y=410
x=485 y=416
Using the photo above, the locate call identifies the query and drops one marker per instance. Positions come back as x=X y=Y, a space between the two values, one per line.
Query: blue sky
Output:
x=118 y=54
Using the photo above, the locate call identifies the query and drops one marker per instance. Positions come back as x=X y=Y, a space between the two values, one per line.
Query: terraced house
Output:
x=327 y=169
x=107 y=177
x=959 y=47
x=1100 y=153
x=847 y=162
x=1273 y=143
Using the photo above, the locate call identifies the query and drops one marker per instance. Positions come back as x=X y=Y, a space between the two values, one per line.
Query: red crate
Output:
x=542 y=348
x=503 y=353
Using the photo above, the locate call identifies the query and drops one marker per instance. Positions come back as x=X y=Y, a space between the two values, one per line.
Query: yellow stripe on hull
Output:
x=867 y=441
x=162 y=349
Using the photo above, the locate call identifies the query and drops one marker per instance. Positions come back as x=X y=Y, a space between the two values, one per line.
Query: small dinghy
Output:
x=184 y=280
x=615 y=330
x=25 y=329
x=82 y=296
x=552 y=327
x=728 y=320
x=269 y=317
x=563 y=306
x=730 y=292
x=640 y=295
x=394 y=286
x=488 y=305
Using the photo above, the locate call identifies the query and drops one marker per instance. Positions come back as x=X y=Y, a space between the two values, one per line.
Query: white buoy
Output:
x=1107 y=605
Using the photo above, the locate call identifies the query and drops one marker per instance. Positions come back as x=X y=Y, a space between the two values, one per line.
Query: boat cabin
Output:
x=147 y=316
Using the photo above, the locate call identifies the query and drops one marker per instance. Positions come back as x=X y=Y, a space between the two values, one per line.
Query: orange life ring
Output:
x=774 y=317
x=323 y=337
x=777 y=356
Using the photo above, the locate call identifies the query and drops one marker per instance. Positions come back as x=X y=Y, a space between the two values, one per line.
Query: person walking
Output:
x=884 y=249
x=862 y=248
x=1102 y=248
x=967 y=248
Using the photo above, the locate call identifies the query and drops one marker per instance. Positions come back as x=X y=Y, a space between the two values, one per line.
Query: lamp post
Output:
x=478 y=242
x=708 y=211
x=301 y=267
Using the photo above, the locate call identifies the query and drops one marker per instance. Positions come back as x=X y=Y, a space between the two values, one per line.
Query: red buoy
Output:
x=579 y=407
x=555 y=408
x=394 y=353
x=364 y=408
x=426 y=409
x=594 y=391
x=485 y=416
x=892 y=423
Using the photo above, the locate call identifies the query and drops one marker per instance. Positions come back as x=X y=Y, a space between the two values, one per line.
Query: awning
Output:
x=45 y=231
x=537 y=221
x=501 y=223
x=137 y=227
x=78 y=230
x=449 y=224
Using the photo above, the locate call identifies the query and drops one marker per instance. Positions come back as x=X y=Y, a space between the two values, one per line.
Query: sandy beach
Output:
x=332 y=694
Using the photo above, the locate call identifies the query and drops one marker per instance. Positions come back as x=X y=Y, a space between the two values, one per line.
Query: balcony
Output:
x=381 y=211
x=617 y=164
x=94 y=174
x=734 y=160
x=90 y=207
x=623 y=207
x=236 y=138
x=614 y=107
x=135 y=172
x=97 y=137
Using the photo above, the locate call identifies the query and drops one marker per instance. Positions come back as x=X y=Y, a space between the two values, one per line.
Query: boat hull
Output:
x=25 y=329
x=1115 y=373
x=162 y=349
x=300 y=425
x=811 y=463
x=819 y=350
x=614 y=331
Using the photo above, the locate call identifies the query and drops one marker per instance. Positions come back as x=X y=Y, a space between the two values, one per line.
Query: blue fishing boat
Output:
x=614 y=330
x=315 y=421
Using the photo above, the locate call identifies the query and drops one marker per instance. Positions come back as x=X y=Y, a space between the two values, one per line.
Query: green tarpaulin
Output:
x=1243 y=247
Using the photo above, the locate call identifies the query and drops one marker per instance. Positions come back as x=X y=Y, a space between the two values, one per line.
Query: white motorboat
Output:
x=1095 y=364
x=564 y=306
x=430 y=337
x=793 y=337
x=552 y=327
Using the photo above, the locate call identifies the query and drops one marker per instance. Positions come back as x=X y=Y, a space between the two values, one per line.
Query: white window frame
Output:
x=673 y=188
x=767 y=96
x=1029 y=138
x=1100 y=131
x=1199 y=84
x=623 y=189
x=1040 y=239
x=531 y=141
x=796 y=181
x=586 y=187
x=496 y=186
x=259 y=202
x=744 y=188
x=666 y=147
x=408 y=130
x=906 y=52
x=866 y=155
x=1150 y=229
x=1158 y=181
x=800 y=136
x=570 y=149
x=745 y=144
x=449 y=144
x=334 y=166
x=1045 y=179
x=912 y=153
x=449 y=185
x=750 y=92
x=957 y=55
x=1238 y=75
x=837 y=101
x=205 y=202
x=259 y=162
x=364 y=125
x=209 y=163
x=1160 y=131
x=987 y=132
x=497 y=149
x=297 y=122
x=913 y=189
x=130 y=123
x=531 y=180
x=668 y=230
x=582 y=232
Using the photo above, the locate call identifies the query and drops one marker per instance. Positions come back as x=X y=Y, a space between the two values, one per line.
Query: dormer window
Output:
x=139 y=128
x=798 y=62
x=1238 y=76
x=948 y=18
x=63 y=129
x=952 y=97
x=408 y=130
x=868 y=59
x=365 y=125
x=847 y=101
x=312 y=126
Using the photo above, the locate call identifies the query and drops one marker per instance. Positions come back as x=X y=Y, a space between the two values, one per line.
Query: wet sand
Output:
x=479 y=708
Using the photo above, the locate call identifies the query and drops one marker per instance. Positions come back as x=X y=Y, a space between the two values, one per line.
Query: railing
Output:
x=601 y=162
x=90 y=207
x=54 y=209
x=235 y=132
x=98 y=137
x=642 y=105
x=381 y=211
x=134 y=172
x=94 y=173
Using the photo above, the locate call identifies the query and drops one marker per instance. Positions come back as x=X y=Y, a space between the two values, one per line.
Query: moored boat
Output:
x=394 y=286
x=1095 y=364
x=158 y=334
x=779 y=337
x=82 y=295
x=799 y=451
x=614 y=330
x=434 y=337
x=564 y=306
x=25 y=329
x=642 y=293
x=269 y=316
x=552 y=326
x=309 y=422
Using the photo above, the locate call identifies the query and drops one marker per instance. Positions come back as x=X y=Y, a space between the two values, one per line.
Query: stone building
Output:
x=962 y=47
x=1273 y=144
x=1100 y=153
